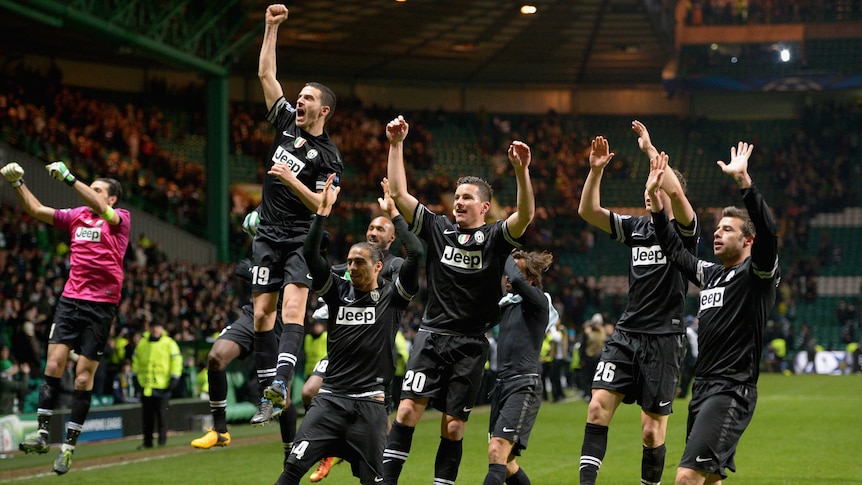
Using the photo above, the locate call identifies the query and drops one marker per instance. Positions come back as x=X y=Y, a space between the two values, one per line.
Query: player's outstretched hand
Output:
x=657 y=167
x=738 y=166
x=330 y=193
x=396 y=130
x=387 y=205
x=644 y=141
x=600 y=154
x=14 y=173
x=59 y=171
x=519 y=154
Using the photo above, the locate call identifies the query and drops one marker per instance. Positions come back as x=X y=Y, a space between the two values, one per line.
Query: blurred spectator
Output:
x=14 y=383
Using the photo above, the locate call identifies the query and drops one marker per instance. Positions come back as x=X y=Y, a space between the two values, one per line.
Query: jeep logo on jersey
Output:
x=356 y=315
x=283 y=156
x=713 y=298
x=642 y=256
x=91 y=234
x=461 y=258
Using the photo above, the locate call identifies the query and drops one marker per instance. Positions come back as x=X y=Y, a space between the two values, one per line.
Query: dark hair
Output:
x=742 y=214
x=114 y=187
x=376 y=253
x=682 y=183
x=485 y=190
x=327 y=97
x=535 y=263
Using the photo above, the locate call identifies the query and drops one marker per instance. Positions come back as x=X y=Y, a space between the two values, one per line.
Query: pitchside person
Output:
x=301 y=158
x=86 y=310
x=348 y=417
x=464 y=269
x=640 y=361
x=517 y=395
x=736 y=299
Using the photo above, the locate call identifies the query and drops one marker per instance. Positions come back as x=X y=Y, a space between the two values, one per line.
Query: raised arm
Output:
x=590 y=207
x=266 y=70
x=14 y=174
x=764 y=250
x=91 y=198
x=671 y=243
x=521 y=286
x=396 y=131
x=520 y=157
x=681 y=207
x=317 y=265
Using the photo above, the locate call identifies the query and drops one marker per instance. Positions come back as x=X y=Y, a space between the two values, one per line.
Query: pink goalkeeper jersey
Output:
x=98 y=249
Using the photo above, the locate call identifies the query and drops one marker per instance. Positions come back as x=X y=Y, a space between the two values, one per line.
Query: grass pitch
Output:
x=806 y=430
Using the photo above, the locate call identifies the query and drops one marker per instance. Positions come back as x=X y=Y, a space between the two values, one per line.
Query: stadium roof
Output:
x=461 y=42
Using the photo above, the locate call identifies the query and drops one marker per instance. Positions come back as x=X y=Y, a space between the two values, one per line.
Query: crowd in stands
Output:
x=98 y=137
x=748 y=12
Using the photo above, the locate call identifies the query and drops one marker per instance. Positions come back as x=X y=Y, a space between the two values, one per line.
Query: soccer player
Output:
x=517 y=395
x=464 y=268
x=640 y=361
x=381 y=234
x=236 y=341
x=736 y=299
x=88 y=305
x=348 y=417
x=301 y=158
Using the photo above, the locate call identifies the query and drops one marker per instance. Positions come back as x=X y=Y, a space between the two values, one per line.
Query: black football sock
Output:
x=265 y=355
x=218 y=398
x=448 y=460
x=496 y=474
x=652 y=465
x=593 y=452
x=519 y=478
x=396 y=452
x=289 y=346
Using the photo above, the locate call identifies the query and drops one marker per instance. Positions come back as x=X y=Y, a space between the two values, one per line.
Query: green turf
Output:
x=806 y=430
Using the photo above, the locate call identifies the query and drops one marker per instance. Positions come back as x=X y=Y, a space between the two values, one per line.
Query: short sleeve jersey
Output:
x=310 y=158
x=97 y=251
x=657 y=289
x=464 y=270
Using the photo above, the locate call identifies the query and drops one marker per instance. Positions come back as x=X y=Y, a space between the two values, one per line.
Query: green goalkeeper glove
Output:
x=59 y=171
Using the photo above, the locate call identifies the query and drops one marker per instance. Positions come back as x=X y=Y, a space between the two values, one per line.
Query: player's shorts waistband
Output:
x=449 y=333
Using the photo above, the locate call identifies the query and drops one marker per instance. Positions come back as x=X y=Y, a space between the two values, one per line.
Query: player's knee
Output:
x=83 y=380
x=453 y=428
x=498 y=450
x=687 y=476
x=215 y=360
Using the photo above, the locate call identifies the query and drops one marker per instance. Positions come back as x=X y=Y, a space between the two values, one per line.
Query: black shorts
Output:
x=278 y=260
x=448 y=369
x=718 y=414
x=644 y=368
x=241 y=331
x=351 y=428
x=83 y=325
x=514 y=407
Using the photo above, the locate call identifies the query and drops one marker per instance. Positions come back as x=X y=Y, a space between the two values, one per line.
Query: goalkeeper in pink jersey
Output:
x=88 y=305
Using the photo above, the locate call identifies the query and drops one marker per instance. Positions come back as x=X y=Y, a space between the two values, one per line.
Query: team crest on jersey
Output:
x=375 y=295
x=480 y=237
x=463 y=238
x=312 y=154
x=299 y=142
